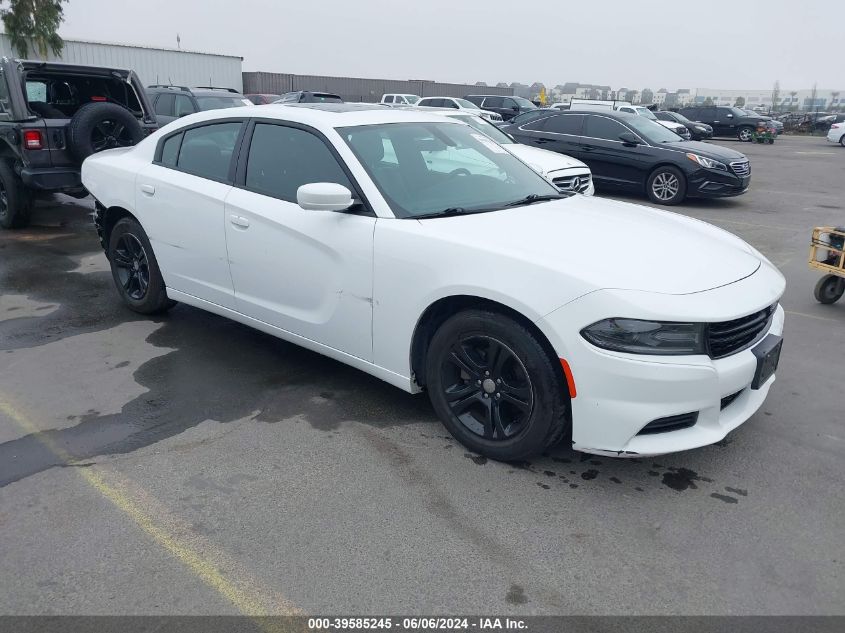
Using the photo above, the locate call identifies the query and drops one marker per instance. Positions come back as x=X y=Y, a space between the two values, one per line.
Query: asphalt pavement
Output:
x=186 y=464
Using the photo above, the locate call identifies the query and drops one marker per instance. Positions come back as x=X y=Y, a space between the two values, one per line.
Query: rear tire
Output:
x=135 y=270
x=745 y=133
x=666 y=185
x=829 y=289
x=842 y=140
x=15 y=200
x=495 y=388
x=98 y=126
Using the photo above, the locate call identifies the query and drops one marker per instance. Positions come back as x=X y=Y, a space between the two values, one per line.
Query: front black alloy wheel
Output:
x=135 y=269
x=487 y=387
x=666 y=185
x=495 y=387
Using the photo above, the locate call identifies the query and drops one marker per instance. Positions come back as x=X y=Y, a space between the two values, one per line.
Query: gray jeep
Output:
x=52 y=117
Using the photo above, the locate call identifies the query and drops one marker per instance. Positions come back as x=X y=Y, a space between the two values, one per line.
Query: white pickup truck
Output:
x=399 y=99
x=625 y=106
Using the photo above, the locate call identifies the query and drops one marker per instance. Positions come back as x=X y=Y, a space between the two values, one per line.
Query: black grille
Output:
x=741 y=168
x=672 y=423
x=730 y=337
x=728 y=400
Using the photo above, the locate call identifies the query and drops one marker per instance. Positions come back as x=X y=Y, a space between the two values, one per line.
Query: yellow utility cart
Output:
x=827 y=254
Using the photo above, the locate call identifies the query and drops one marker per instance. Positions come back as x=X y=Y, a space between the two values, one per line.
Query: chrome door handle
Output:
x=239 y=221
x=148 y=190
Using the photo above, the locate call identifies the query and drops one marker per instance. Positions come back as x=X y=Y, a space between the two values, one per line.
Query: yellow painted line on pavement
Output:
x=171 y=534
x=812 y=316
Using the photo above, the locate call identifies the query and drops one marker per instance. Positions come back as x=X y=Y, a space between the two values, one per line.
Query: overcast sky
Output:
x=623 y=43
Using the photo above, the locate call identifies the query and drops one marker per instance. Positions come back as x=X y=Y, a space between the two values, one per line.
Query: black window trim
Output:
x=239 y=176
x=609 y=140
x=553 y=116
x=230 y=179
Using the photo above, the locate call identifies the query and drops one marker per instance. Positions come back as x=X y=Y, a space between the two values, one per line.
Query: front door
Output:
x=612 y=162
x=307 y=272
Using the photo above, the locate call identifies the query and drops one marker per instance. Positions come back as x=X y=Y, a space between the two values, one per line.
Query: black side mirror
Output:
x=629 y=139
x=515 y=108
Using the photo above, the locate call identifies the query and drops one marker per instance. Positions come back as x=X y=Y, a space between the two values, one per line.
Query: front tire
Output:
x=745 y=133
x=829 y=289
x=842 y=140
x=135 y=270
x=495 y=388
x=15 y=202
x=666 y=185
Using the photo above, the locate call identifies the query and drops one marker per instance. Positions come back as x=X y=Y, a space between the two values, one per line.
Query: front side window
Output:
x=487 y=128
x=524 y=103
x=183 y=105
x=494 y=102
x=282 y=159
x=207 y=151
x=433 y=167
x=603 y=128
x=412 y=99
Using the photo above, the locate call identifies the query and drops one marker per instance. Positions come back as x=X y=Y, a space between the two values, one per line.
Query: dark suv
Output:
x=725 y=120
x=52 y=117
x=172 y=102
x=306 y=96
x=508 y=107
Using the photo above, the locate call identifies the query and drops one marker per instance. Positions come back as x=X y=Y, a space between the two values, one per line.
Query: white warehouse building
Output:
x=152 y=65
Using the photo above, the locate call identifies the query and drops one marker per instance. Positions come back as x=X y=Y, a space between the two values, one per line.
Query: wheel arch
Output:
x=106 y=217
x=664 y=163
x=440 y=310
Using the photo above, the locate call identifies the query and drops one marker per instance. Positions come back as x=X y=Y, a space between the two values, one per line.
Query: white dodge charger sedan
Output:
x=527 y=314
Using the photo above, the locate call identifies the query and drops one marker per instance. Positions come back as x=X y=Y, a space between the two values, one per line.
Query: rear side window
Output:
x=207 y=151
x=164 y=105
x=170 y=150
x=183 y=105
x=563 y=124
x=494 y=102
x=388 y=99
x=282 y=159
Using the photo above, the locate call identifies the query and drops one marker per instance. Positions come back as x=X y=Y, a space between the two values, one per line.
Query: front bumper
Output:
x=619 y=394
x=49 y=179
x=712 y=183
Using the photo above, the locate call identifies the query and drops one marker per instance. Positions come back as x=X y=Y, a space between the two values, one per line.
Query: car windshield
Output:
x=487 y=128
x=648 y=114
x=467 y=104
x=412 y=98
x=425 y=169
x=652 y=131
x=525 y=117
x=218 y=103
x=680 y=118
x=523 y=103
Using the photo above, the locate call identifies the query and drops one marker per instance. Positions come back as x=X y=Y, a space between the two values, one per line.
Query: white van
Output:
x=399 y=100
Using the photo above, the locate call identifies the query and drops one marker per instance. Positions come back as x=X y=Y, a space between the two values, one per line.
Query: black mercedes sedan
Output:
x=630 y=153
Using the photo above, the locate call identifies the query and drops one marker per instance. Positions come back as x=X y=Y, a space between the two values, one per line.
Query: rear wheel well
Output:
x=438 y=312
x=106 y=219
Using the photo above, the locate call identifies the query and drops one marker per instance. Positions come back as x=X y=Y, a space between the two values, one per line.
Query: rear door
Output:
x=559 y=133
x=497 y=105
x=613 y=163
x=180 y=200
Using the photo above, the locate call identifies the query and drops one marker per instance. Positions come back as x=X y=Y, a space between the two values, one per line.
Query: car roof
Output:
x=321 y=115
x=203 y=92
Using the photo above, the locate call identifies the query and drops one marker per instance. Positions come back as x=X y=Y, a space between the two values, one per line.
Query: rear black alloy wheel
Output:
x=487 y=387
x=133 y=269
x=15 y=202
x=495 y=387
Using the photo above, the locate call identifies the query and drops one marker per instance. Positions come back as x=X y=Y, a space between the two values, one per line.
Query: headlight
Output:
x=709 y=163
x=647 y=337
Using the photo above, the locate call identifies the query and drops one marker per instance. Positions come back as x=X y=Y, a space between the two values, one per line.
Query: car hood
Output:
x=604 y=244
x=709 y=150
x=542 y=159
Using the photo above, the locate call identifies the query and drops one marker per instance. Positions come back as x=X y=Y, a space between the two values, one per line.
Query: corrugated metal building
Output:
x=153 y=65
x=359 y=89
